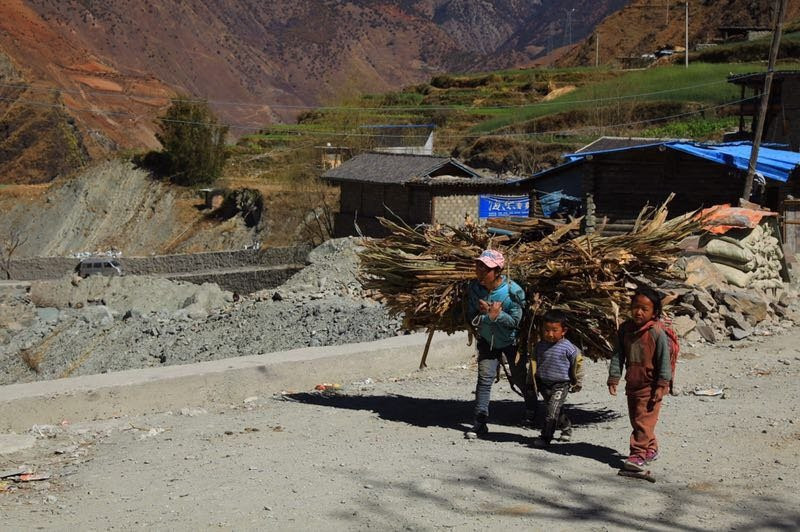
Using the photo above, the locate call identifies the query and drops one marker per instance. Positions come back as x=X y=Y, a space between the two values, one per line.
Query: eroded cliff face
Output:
x=114 y=205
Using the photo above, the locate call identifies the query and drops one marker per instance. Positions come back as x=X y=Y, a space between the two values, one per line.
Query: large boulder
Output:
x=706 y=332
x=749 y=304
x=704 y=302
x=734 y=319
x=682 y=325
x=701 y=272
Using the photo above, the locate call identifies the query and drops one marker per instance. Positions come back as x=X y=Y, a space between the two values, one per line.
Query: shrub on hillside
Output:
x=193 y=144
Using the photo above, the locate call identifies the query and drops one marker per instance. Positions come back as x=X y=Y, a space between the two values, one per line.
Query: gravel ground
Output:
x=390 y=455
x=112 y=324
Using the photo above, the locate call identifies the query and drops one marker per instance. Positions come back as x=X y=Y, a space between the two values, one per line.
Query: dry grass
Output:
x=23 y=191
x=32 y=358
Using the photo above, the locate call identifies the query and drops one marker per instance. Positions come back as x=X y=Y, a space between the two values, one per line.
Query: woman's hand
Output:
x=494 y=310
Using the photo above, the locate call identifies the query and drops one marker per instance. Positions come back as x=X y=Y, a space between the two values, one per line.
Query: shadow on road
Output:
x=599 y=453
x=457 y=414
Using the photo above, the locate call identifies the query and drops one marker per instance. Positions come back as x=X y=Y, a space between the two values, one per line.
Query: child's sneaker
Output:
x=529 y=420
x=566 y=435
x=634 y=463
x=478 y=430
x=540 y=443
x=651 y=455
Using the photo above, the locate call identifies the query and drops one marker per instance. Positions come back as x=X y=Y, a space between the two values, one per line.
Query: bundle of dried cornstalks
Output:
x=423 y=274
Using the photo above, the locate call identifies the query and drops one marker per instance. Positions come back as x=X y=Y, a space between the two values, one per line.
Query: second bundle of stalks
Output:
x=423 y=274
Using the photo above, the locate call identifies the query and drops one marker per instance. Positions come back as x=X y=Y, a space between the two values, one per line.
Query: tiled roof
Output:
x=390 y=168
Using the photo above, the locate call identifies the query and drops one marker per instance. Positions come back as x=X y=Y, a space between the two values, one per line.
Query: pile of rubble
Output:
x=707 y=308
x=332 y=271
x=77 y=327
x=130 y=295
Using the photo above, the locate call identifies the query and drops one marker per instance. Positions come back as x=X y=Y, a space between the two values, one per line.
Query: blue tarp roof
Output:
x=772 y=163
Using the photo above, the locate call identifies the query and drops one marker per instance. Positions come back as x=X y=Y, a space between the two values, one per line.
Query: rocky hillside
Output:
x=644 y=26
x=115 y=205
x=113 y=65
x=37 y=142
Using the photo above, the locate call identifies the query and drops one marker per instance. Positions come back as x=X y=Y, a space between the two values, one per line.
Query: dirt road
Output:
x=390 y=455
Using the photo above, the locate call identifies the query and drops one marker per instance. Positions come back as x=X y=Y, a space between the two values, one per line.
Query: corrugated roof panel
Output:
x=772 y=163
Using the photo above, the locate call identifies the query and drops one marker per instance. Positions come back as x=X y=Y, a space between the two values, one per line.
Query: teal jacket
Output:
x=503 y=331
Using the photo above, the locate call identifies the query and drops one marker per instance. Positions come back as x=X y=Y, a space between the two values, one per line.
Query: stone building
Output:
x=418 y=189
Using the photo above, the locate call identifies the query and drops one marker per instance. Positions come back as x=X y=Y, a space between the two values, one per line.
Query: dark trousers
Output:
x=488 y=365
x=554 y=395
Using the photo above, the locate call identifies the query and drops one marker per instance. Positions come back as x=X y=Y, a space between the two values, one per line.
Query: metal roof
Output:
x=772 y=163
x=391 y=168
x=612 y=143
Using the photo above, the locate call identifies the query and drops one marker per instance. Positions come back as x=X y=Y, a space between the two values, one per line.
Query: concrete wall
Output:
x=219 y=382
x=54 y=267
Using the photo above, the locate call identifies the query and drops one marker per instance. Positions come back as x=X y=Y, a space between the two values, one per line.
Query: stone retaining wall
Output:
x=242 y=281
x=41 y=268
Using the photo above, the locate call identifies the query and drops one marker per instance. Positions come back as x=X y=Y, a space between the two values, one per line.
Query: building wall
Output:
x=420 y=208
x=363 y=203
x=567 y=181
x=451 y=208
x=755 y=35
x=784 y=125
x=625 y=182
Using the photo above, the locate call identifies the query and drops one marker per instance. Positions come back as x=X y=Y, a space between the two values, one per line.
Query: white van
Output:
x=99 y=266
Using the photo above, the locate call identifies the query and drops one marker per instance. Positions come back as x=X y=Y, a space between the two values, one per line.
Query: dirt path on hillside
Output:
x=390 y=455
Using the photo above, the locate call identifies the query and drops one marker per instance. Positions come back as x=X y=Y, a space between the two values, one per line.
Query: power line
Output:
x=370 y=135
x=28 y=86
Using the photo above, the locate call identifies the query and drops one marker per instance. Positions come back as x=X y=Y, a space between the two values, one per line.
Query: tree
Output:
x=12 y=240
x=193 y=143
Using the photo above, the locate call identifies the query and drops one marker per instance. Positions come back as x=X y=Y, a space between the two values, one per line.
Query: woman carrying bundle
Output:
x=494 y=308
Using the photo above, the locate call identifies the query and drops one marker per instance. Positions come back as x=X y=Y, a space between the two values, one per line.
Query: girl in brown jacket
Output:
x=644 y=352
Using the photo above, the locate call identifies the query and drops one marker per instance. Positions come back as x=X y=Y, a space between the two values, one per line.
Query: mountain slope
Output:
x=644 y=26
x=117 y=63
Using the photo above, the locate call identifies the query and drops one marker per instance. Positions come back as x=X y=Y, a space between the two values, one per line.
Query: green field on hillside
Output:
x=750 y=50
x=514 y=120
x=703 y=83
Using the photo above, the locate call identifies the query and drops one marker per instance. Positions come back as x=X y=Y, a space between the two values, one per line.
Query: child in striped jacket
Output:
x=558 y=371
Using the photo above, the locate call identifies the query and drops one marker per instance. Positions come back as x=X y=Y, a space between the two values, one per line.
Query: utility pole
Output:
x=780 y=10
x=597 y=50
x=568 y=27
x=686 y=43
